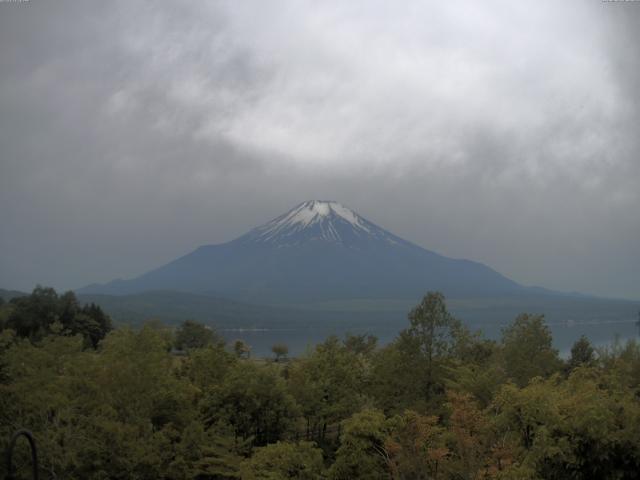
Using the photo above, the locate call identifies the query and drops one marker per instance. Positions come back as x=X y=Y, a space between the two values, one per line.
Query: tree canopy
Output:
x=191 y=334
x=44 y=312
x=439 y=402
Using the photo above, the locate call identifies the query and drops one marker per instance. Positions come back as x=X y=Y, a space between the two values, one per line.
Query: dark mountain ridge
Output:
x=7 y=295
x=319 y=250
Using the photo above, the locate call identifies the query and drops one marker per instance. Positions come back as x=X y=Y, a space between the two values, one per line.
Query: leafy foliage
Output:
x=527 y=349
x=282 y=460
x=412 y=371
x=328 y=386
x=362 y=451
x=280 y=350
x=44 y=312
x=438 y=402
x=191 y=334
x=254 y=400
x=582 y=354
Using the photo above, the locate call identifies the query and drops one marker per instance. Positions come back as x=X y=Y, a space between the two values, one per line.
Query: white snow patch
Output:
x=348 y=215
x=307 y=213
x=310 y=213
x=320 y=208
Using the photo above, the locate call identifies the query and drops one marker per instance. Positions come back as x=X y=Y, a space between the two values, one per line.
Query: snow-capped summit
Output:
x=314 y=211
x=317 y=220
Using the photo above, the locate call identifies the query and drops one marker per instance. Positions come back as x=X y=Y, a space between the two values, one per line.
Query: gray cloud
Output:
x=131 y=132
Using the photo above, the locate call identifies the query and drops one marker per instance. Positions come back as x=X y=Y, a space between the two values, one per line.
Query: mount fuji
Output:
x=318 y=251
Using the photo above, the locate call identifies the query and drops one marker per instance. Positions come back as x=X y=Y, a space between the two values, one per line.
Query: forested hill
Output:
x=7 y=295
x=172 y=307
x=438 y=402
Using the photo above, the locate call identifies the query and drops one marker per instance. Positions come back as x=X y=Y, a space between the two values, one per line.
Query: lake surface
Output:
x=300 y=339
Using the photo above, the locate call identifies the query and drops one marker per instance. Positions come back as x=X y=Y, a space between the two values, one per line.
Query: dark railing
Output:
x=11 y=474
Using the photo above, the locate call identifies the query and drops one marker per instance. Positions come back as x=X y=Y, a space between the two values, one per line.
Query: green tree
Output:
x=527 y=349
x=416 y=447
x=191 y=335
x=44 y=312
x=199 y=453
x=622 y=363
x=430 y=336
x=95 y=330
x=475 y=366
x=394 y=382
x=582 y=354
x=32 y=315
x=360 y=344
x=254 y=400
x=241 y=349
x=411 y=372
x=280 y=350
x=328 y=385
x=468 y=437
x=5 y=312
x=125 y=411
x=362 y=453
x=431 y=326
x=282 y=460
x=571 y=429
x=207 y=367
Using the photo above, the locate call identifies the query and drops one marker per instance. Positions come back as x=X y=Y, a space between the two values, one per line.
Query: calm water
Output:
x=300 y=339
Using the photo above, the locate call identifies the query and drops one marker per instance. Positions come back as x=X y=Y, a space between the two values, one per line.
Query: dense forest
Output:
x=439 y=402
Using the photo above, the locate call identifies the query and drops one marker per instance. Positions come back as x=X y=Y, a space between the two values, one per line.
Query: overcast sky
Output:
x=504 y=132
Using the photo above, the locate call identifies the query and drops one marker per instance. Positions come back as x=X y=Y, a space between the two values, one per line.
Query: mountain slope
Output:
x=317 y=251
x=7 y=295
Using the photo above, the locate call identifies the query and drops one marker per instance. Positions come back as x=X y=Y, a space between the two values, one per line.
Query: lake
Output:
x=299 y=339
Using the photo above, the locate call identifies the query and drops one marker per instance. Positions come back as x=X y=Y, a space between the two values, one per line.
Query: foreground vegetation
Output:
x=439 y=402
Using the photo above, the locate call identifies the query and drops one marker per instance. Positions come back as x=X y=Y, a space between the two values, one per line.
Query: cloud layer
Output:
x=131 y=132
